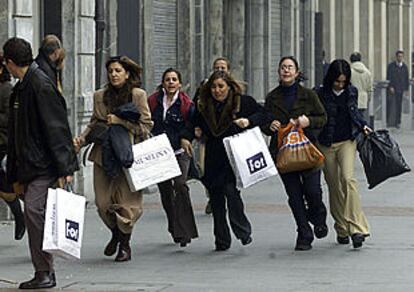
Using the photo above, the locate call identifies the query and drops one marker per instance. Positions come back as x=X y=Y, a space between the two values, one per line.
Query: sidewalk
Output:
x=385 y=263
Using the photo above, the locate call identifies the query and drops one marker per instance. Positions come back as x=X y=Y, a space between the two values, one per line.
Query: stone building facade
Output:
x=190 y=34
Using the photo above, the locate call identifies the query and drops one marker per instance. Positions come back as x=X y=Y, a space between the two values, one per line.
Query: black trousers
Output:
x=305 y=199
x=394 y=109
x=176 y=201
x=238 y=221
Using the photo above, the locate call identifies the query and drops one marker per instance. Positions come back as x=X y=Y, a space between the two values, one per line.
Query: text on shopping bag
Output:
x=72 y=230
x=256 y=163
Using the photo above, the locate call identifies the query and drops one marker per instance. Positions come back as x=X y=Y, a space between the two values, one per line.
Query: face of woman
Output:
x=171 y=83
x=339 y=83
x=117 y=74
x=221 y=65
x=288 y=72
x=219 y=89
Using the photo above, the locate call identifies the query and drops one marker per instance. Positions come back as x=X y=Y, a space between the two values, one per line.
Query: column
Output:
x=185 y=39
x=214 y=31
x=327 y=7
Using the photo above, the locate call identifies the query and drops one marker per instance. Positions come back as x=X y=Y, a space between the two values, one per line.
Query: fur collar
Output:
x=219 y=125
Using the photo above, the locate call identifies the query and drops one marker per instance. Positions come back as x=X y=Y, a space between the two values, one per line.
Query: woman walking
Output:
x=171 y=109
x=337 y=143
x=223 y=111
x=291 y=102
x=118 y=207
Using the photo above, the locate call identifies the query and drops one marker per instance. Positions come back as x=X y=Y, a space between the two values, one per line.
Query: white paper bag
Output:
x=249 y=157
x=154 y=162
x=64 y=223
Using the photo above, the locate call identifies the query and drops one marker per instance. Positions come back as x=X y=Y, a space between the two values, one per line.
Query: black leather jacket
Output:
x=40 y=140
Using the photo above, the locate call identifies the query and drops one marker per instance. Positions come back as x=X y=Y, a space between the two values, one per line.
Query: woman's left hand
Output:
x=113 y=119
x=242 y=122
x=366 y=130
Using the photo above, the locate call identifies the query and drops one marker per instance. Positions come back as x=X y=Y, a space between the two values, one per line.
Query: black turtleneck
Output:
x=290 y=95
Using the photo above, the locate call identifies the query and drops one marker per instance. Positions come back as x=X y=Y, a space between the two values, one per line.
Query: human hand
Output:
x=113 y=119
x=391 y=89
x=77 y=143
x=303 y=121
x=275 y=126
x=242 y=122
x=187 y=147
x=64 y=180
x=366 y=130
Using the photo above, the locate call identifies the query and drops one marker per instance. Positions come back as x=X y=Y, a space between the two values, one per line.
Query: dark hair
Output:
x=289 y=58
x=5 y=75
x=50 y=44
x=114 y=97
x=399 y=52
x=337 y=68
x=231 y=82
x=19 y=51
x=222 y=59
x=355 y=57
x=169 y=70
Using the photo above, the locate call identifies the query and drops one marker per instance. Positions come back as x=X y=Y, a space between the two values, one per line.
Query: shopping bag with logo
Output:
x=64 y=223
x=249 y=157
x=154 y=162
x=296 y=152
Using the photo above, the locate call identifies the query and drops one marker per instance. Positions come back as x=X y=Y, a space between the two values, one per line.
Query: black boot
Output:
x=41 y=280
x=124 y=251
x=19 y=226
x=112 y=245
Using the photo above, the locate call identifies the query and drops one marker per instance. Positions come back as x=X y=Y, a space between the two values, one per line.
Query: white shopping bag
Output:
x=249 y=157
x=154 y=162
x=64 y=223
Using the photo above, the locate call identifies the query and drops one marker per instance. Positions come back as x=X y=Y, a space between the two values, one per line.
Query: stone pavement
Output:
x=385 y=263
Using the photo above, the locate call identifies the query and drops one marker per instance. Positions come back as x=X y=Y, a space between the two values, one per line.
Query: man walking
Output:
x=362 y=80
x=40 y=150
x=397 y=75
x=50 y=59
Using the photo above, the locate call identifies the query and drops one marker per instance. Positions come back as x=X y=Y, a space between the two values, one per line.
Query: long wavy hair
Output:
x=115 y=97
x=235 y=88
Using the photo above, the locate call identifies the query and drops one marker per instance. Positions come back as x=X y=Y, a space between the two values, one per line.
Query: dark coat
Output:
x=117 y=146
x=307 y=103
x=5 y=92
x=217 y=167
x=48 y=67
x=40 y=141
x=176 y=118
x=398 y=77
x=328 y=100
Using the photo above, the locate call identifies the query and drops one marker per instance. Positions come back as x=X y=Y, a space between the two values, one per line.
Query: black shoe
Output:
x=222 y=247
x=19 y=225
x=208 y=209
x=247 y=240
x=342 y=239
x=184 y=242
x=320 y=231
x=357 y=240
x=303 y=244
x=41 y=280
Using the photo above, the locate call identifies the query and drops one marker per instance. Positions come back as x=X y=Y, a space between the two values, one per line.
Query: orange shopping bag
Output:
x=296 y=152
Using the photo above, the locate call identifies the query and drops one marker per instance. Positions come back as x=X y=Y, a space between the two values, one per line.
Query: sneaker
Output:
x=342 y=239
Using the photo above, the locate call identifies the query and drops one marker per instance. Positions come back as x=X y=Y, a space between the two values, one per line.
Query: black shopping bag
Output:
x=381 y=157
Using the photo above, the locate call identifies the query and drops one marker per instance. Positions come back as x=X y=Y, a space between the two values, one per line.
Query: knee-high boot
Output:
x=112 y=245
x=124 y=251
x=19 y=226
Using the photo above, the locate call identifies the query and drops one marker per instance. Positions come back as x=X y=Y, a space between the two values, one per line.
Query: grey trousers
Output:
x=35 y=196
